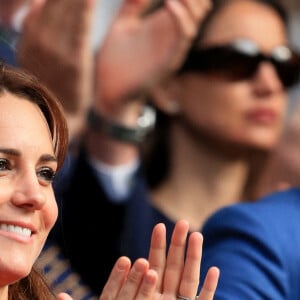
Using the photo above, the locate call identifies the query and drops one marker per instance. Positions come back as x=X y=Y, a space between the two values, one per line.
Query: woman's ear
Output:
x=163 y=100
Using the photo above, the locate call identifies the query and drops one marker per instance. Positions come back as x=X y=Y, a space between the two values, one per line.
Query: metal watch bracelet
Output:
x=145 y=125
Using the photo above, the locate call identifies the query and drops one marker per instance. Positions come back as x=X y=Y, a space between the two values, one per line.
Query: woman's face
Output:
x=28 y=208
x=249 y=111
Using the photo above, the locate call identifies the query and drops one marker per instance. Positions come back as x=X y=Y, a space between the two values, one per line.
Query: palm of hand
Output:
x=138 y=52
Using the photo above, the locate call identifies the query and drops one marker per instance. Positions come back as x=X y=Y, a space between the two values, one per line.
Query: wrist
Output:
x=132 y=134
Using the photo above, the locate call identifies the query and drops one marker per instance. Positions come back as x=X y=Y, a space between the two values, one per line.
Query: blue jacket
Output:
x=257 y=248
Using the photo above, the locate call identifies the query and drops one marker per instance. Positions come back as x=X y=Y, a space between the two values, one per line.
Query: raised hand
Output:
x=163 y=277
x=55 y=46
x=140 y=51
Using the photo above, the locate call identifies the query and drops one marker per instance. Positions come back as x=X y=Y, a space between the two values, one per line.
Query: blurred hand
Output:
x=55 y=46
x=139 y=51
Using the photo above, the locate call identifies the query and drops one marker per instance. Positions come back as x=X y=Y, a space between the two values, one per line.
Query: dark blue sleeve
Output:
x=254 y=247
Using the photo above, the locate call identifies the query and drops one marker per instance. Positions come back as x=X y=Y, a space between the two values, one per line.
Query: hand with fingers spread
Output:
x=165 y=278
x=141 y=50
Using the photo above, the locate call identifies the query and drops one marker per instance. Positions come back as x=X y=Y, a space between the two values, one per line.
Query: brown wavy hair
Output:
x=25 y=85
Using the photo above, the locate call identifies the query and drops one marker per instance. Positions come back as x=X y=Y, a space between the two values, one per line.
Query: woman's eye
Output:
x=46 y=174
x=4 y=164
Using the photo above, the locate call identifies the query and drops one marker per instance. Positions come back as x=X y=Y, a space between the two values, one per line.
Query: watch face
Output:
x=148 y=118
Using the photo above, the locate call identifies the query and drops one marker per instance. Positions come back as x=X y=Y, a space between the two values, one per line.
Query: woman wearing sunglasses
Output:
x=222 y=114
x=218 y=120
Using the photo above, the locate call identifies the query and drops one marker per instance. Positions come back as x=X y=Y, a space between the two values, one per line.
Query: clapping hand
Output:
x=162 y=277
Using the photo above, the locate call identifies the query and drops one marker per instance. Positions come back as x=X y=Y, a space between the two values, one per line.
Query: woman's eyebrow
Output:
x=15 y=152
x=10 y=151
x=48 y=158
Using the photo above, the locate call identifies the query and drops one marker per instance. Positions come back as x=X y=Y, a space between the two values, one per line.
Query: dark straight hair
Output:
x=217 y=6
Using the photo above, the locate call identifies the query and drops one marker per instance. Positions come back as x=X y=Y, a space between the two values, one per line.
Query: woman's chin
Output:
x=13 y=273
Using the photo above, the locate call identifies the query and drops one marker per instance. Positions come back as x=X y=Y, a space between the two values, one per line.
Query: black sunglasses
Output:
x=240 y=60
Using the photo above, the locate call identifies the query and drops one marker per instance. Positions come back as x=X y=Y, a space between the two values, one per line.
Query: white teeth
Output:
x=16 y=229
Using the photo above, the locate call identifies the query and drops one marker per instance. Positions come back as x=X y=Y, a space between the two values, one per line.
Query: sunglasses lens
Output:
x=236 y=66
x=288 y=72
x=225 y=62
x=240 y=61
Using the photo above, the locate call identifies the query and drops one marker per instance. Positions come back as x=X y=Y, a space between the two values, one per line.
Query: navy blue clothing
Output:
x=257 y=248
x=6 y=53
x=7 y=50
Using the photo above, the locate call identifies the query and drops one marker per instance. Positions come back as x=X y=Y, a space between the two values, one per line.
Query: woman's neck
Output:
x=201 y=180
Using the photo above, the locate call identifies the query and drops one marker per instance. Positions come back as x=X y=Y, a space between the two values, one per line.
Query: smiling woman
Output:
x=33 y=145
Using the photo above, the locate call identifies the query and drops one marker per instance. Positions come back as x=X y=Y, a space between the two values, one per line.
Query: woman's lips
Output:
x=262 y=116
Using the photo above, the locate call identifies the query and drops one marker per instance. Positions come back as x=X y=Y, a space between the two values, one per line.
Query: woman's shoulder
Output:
x=273 y=212
x=259 y=238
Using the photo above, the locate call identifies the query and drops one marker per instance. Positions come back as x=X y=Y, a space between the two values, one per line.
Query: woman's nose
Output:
x=28 y=193
x=266 y=79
